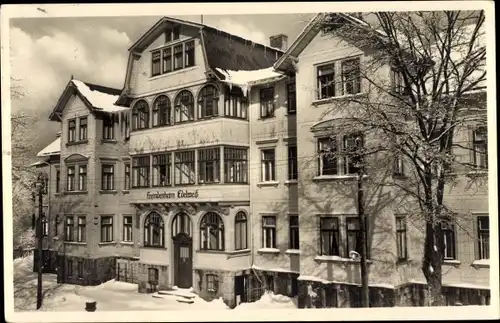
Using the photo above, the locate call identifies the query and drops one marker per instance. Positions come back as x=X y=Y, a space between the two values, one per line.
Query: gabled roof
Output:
x=309 y=32
x=96 y=97
x=221 y=50
x=54 y=148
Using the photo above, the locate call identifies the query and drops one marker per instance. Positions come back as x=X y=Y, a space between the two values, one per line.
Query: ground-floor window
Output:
x=212 y=283
x=153 y=277
x=80 y=269
x=69 y=268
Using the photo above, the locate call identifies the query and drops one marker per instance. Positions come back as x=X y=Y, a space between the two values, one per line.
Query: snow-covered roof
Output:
x=99 y=100
x=245 y=79
x=39 y=163
x=54 y=148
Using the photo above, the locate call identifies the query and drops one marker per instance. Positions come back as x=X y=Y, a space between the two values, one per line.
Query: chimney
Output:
x=279 y=42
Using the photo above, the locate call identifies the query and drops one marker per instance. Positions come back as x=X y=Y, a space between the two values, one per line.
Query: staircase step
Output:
x=156 y=295
x=184 y=300
x=177 y=293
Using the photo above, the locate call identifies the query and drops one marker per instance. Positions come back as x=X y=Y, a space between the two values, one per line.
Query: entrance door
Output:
x=183 y=261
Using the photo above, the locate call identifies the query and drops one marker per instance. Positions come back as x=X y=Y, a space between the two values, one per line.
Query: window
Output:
x=293 y=228
x=45 y=226
x=212 y=232
x=58 y=180
x=127 y=228
x=326 y=81
x=291 y=98
x=235 y=104
x=448 y=230
x=189 y=54
x=140 y=171
x=209 y=165
x=82 y=177
x=108 y=177
x=329 y=237
x=327 y=148
x=352 y=149
x=185 y=172
x=140 y=115
x=268 y=165
x=480 y=147
x=184 y=107
x=351 y=76
x=71 y=130
x=126 y=125
x=181 y=224
x=397 y=82
x=161 y=169
x=292 y=163
x=267 y=103
x=168 y=35
x=240 y=231
x=208 y=102
x=106 y=228
x=68 y=228
x=80 y=229
x=398 y=166
x=70 y=180
x=108 y=131
x=401 y=238
x=83 y=128
x=178 y=57
x=153 y=277
x=167 y=60
x=161 y=111
x=155 y=63
x=269 y=232
x=353 y=235
x=69 y=268
x=154 y=230
x=79 y=269
x=176 y=31
x=127 y=177
x=235 y=165
x=56 y=226
x=212 y=283
x=483 y=230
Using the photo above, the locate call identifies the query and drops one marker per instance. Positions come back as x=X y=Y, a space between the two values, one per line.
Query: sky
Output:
x=46 y=52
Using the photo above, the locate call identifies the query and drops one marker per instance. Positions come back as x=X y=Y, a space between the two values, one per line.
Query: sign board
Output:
x=180 y=194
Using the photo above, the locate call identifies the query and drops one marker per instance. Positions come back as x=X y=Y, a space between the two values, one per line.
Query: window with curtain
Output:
x=269 y=232
x=212 y=232
x=329 y=237
x=240 y=231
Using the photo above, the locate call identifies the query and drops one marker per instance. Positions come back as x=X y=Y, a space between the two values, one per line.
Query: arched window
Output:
x=240 y=231
x=184 y=106
x=140 y=115
x=208 y=102
x=181 y=224
x=161 y=111
x=153 y=230
x=212 y=232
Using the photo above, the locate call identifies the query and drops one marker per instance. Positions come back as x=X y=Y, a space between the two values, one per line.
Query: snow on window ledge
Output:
x=481 y=263
x=337 y=259
x=106 y=243
x=291 y=182
x=268 y=250
x=335 y=98
x=293 y=252
x=270 y=183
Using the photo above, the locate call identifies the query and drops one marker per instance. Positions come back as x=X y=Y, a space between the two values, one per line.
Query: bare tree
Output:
x=425 y=75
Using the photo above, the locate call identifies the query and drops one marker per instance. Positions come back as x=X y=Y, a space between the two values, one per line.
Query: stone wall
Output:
x=95 y=271
x=143 y=278
x=127 y=270
x=224 y=288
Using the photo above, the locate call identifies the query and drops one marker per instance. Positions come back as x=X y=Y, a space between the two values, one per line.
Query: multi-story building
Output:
x=203 y=172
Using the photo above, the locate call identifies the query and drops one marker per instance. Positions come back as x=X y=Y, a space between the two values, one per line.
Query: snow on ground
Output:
x=112 y=295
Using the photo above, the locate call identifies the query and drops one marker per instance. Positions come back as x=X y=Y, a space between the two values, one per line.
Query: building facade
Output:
x=204 y=172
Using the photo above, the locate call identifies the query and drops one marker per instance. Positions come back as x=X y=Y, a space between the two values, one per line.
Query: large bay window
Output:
x=235 y=165
x=208 y=102
x=161 y=169
x=209 y=165
x=185 y=170
x=184 y=106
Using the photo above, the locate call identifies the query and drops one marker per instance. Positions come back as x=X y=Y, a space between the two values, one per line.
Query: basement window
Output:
x=212 y=283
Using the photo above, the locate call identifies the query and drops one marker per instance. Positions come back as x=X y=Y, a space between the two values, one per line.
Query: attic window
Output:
x=172 y=34
x=173 y=58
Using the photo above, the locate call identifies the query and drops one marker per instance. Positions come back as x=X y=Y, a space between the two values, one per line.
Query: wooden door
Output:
x=183 y=261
